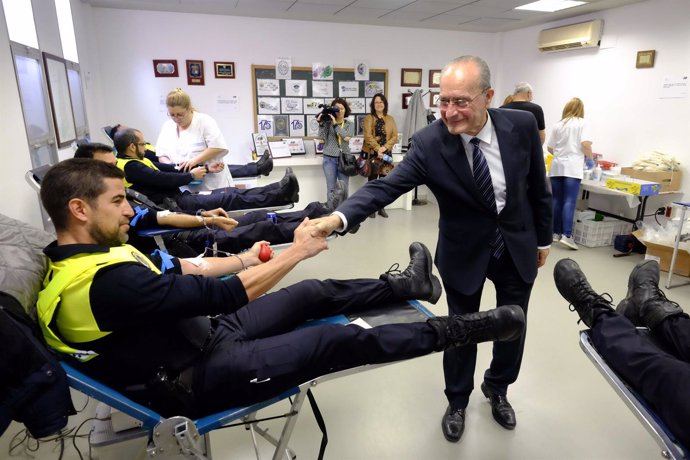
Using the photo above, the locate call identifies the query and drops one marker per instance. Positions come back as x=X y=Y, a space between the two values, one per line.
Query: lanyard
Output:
x=338 y=135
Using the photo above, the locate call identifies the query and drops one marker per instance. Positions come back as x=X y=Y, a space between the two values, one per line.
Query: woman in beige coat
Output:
x=380 y=134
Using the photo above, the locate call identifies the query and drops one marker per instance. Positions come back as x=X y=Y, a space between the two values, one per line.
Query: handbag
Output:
x=363 y=165
x=347 y=164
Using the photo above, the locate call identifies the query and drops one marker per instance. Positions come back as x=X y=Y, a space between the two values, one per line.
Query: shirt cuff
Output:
x=544 y=247
x=343 y=219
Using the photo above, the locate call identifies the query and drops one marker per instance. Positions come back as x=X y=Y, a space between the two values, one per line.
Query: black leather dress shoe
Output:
x=453 y=424
x=500 y=408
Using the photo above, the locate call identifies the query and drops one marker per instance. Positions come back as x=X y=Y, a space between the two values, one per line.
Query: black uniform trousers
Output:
x=257 y=352
x=231 y=198
x=661 y=378
x=459 y=363
x=253 y=227
x=246 y=170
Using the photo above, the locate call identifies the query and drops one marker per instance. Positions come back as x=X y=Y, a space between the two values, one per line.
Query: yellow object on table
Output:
x=634 y=186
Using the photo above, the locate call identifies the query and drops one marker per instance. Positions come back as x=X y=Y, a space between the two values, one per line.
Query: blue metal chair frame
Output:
x=670 y=448
x=181 y=436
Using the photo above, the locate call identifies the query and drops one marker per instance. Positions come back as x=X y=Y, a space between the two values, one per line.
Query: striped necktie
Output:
x=482 y=177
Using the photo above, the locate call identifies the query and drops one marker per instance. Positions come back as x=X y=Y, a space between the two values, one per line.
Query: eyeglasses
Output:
x=177 y=115
x=141 y=144
x=458 y=102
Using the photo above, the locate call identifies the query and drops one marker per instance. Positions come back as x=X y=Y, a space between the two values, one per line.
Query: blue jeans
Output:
x=330 y=170
x=565 y=190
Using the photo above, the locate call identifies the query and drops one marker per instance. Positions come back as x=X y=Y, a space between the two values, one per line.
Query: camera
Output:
x=328 y=110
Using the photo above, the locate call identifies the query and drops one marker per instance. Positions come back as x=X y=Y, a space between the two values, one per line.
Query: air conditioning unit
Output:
x=575 y=36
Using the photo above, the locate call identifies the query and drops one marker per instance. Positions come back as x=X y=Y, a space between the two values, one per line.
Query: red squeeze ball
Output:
x=265 y=253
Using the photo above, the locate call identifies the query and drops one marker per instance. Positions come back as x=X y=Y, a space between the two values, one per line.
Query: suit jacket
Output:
x=467 y=224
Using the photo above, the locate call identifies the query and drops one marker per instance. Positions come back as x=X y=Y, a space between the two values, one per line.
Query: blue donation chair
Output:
x=670 y=447
x=180 y=437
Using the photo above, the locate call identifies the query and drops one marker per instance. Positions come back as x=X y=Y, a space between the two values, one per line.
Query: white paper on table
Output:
x=279 y=149
x=295 y=145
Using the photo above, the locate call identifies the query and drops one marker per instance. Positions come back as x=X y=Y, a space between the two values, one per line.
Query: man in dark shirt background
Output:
x=522 y=100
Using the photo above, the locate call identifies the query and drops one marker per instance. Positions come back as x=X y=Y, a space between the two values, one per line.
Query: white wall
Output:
x=116 y=49
x=621 y=102
x=128 y=41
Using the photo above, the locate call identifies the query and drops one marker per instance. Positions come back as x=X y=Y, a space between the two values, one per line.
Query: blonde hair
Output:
x=178 y=98
x=508 y=99
x=574 y=109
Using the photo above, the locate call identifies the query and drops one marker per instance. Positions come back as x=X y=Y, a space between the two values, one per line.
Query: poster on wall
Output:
x=361 y=71
x=296 y=88
x=372 y=88
x=322 y=88
x=357 y=104
x=281 y=125
x=312 y=126
x=291 y=104
x=311 y=105
x=359 y=126
x=265 y=124
x=283 y=68
x=267 y=87
x=269 y=105
x=320 y=71
x=356 y=144
x=297 y=127
x=348 y=88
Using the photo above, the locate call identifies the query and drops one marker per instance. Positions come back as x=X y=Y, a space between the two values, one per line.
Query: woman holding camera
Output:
x=336 y=130
x=380 y=134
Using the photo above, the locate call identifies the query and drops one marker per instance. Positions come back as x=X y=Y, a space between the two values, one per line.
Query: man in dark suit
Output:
x=495 y=219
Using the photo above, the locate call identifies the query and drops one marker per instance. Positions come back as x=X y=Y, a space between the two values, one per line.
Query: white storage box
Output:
x=594 y=234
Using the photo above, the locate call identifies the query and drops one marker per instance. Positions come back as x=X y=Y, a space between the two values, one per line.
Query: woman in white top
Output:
x=570 y=144
x=191 y=138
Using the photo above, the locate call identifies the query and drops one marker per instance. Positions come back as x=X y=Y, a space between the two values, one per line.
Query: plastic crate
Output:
x=593 y=234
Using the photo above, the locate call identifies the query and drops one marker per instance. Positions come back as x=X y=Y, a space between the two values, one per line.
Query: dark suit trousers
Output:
x=256 y=352
x=459 y=363
x=232 y=198
x=661 y=378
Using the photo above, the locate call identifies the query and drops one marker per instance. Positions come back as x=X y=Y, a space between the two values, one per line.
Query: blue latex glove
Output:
x=589 y=163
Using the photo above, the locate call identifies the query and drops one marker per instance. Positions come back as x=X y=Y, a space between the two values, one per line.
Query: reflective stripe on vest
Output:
x=67 y=285
x=121 y=162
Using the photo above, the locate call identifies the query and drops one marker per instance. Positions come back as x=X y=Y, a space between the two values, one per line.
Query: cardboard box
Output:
x=664 y=253
x=634 y=186
x=669 y=180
